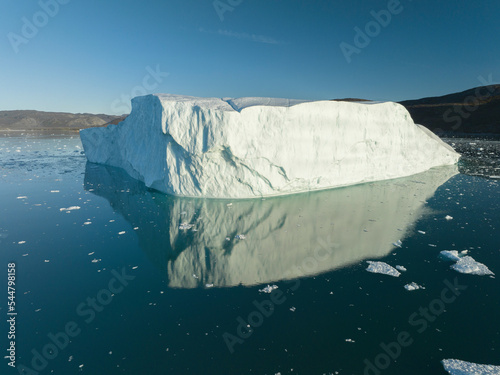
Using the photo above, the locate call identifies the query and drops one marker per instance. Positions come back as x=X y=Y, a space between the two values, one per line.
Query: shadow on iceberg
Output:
x=195 y=241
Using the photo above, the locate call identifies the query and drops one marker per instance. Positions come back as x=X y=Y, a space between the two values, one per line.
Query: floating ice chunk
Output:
x=449 y=255
x=421 y=231
x=448 y=217
x=268 y=289
x=122 y=232
x=413 y=286
x=185 y=226
x=70 y=208
x=468 y=265
x=398 y=243
x=240 y=237
x=209 y=285
x=21 y=242
x=383 y=268
x=54 y=191
x=87 y=223
x=349 y=340
x=22 y=197
x=401 y=268
x=458 y=367
x=292 y=309
x=135 y=267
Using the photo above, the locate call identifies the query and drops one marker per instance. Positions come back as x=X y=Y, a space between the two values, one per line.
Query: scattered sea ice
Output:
x=448 y=217
x=185 y=226
x=268 y=289
x=413 y=286
x=458 y=367
x=401 y=268
x=383 y=268
x=468 y=265
x=70 y=208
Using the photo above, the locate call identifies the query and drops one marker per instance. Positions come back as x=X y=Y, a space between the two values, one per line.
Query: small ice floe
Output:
x=448 y=217
x=135 y=267
x=268 y=289
x=401 y=268
x=431 y=245
x=22 y=197
x=54 y=191
x=240 y=237
x=349 y=340
x=122 y=232
x=421 y=231
x=398 y=243
x=185 y=226
x=292 y=309
x=21 y=242
x=70 y=358
x=468 y=265
x=72 y=208
x=229 y=204
x=383 y=268
x=95 y=260
x=413 y=286
x=228 y=239
x=195 y=276
x=449 y=255
x=458 y=367
x=92 y=253
x=87 y=223
x=46 y=261
x=209 y=285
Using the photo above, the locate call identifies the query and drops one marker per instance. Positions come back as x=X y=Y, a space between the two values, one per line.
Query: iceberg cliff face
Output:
x=253 y=147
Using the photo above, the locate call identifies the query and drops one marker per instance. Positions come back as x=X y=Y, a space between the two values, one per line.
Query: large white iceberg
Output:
x=253 y=147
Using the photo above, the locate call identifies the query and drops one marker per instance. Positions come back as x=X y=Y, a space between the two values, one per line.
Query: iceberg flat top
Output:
x=230 y=104
x=255 y=147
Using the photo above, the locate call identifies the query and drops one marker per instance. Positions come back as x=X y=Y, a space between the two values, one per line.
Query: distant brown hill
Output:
x=472 y=111
x=38 y=120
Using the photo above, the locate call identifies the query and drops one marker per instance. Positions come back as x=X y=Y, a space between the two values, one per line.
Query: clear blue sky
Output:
x=90 y=56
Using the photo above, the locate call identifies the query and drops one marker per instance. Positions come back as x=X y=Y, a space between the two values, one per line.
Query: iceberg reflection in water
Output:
x=196 y=241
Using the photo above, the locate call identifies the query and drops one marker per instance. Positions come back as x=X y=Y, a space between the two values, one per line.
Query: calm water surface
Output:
x=126 y=280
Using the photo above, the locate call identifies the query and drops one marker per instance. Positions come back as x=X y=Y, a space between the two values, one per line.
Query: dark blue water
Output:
x=136 y=282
